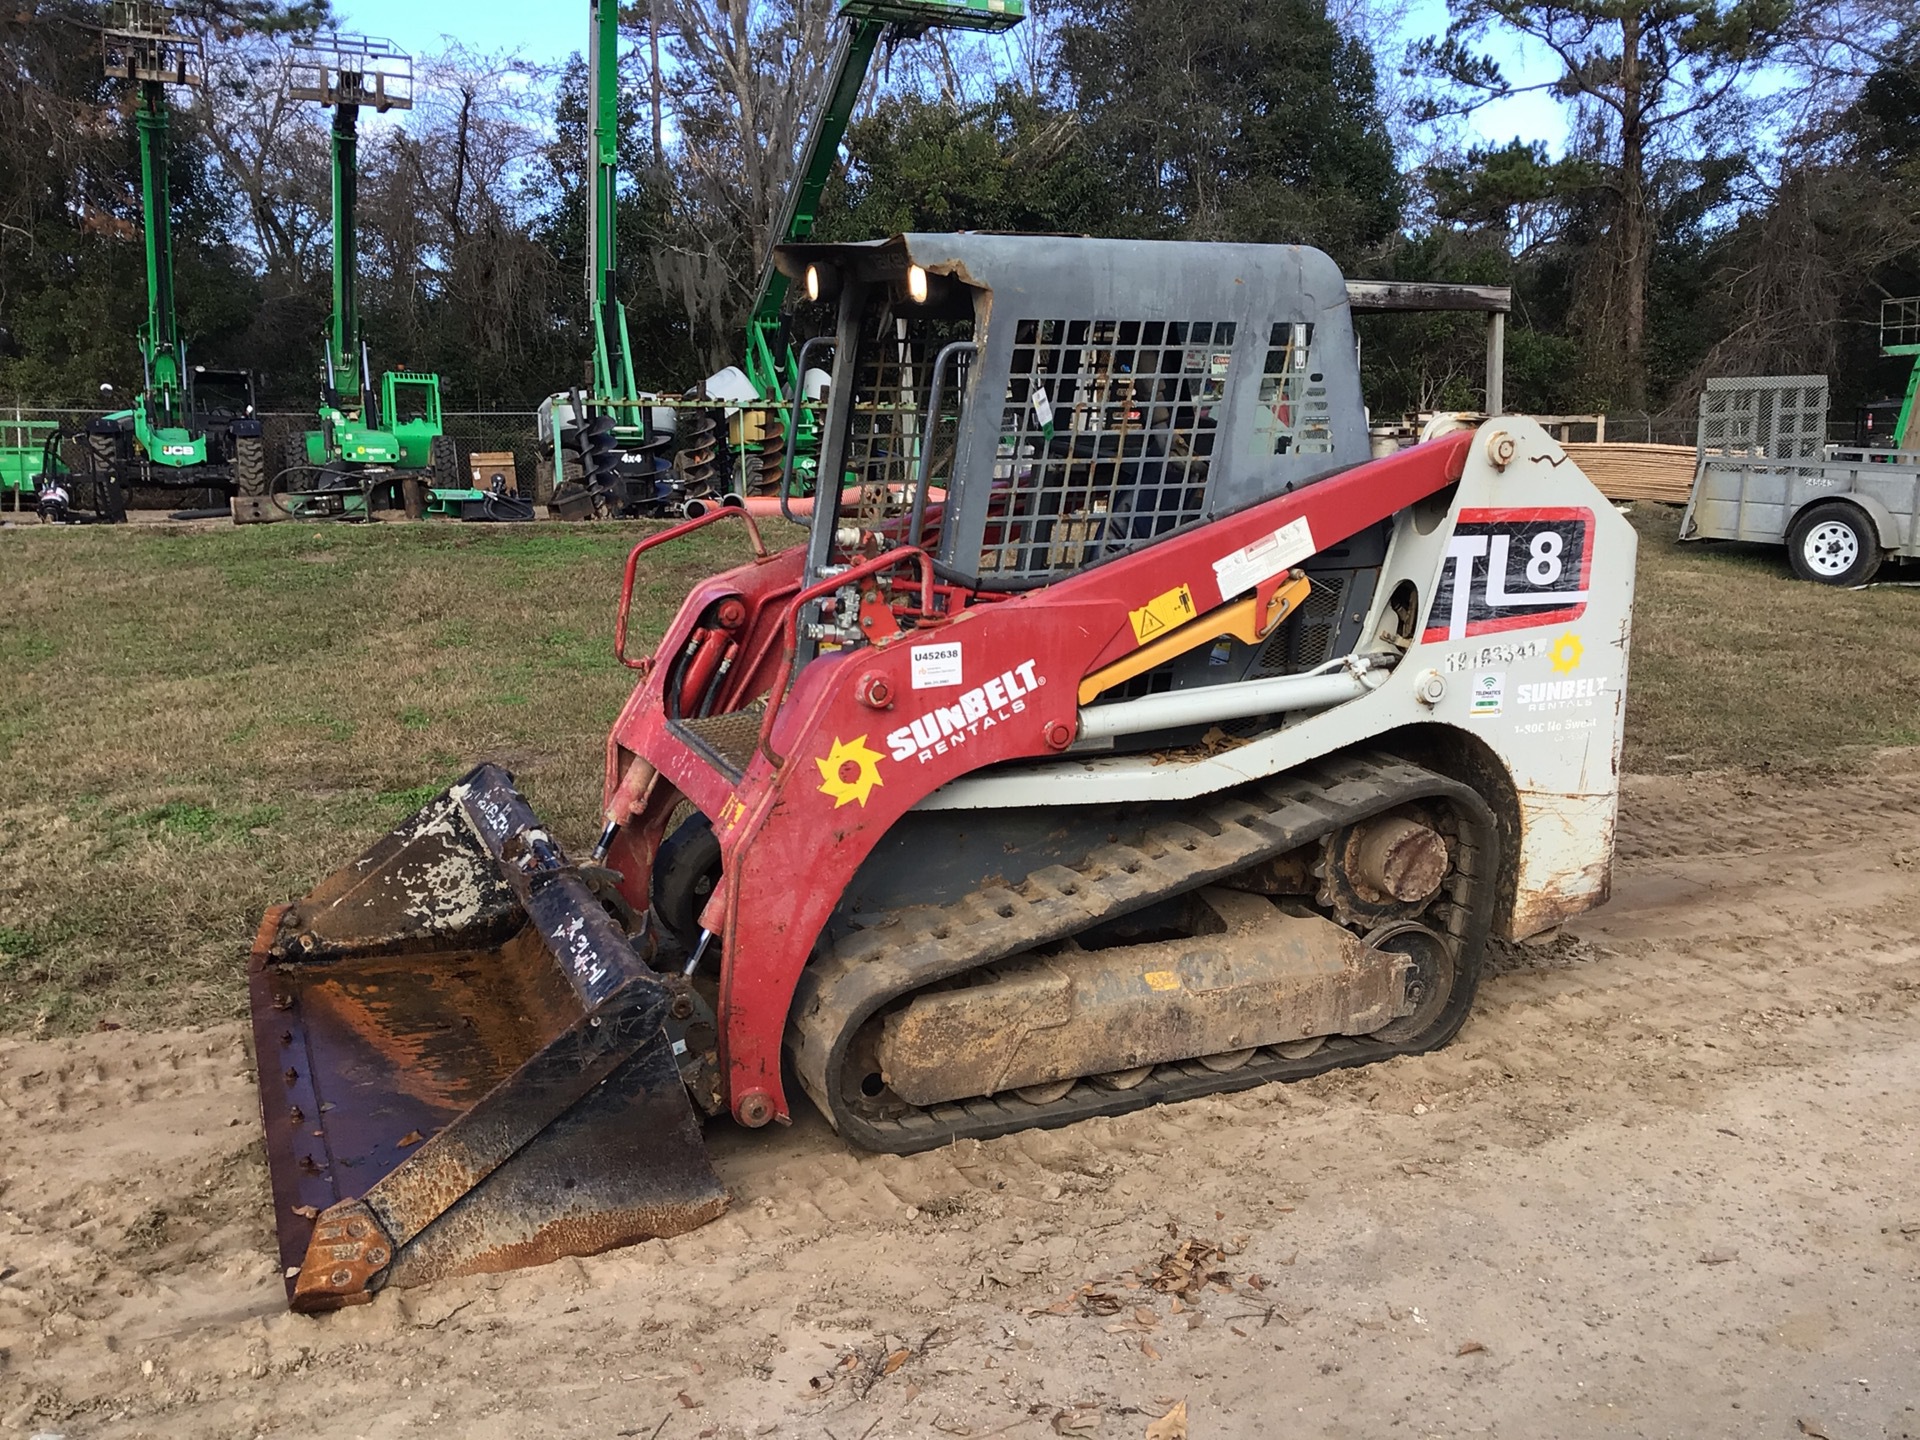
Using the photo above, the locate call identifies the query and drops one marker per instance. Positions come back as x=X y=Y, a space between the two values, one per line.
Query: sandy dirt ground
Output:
x=1665 y=1184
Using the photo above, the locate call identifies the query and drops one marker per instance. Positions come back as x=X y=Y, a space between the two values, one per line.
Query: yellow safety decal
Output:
x=732 y=813
x=1162 y=613
x=1162 y=979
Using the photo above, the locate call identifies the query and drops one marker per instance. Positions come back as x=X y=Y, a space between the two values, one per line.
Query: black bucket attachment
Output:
x=464 y=1065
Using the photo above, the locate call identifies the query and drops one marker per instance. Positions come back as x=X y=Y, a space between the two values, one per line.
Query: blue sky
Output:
x=549 y=33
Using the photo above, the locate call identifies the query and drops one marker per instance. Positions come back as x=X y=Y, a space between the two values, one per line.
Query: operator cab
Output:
x=1159 y=385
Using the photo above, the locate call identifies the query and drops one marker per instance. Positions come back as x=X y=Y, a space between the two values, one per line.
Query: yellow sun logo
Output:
x=1566 y=653
x=850 y=771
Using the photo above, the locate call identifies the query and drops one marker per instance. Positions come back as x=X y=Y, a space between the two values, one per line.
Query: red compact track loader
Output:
x=1121 y=733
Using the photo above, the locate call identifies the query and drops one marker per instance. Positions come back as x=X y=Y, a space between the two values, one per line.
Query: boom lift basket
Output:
x=463 y=1064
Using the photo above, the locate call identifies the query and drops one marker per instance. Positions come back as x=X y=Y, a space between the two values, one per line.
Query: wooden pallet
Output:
x=1637 y=472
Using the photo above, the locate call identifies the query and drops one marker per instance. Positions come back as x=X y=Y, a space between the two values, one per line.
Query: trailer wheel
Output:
x=685 y=872
x=1833 y=543
x=250 y=466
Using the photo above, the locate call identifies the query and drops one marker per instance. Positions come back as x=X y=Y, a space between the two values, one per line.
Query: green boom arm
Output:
x=160 y=347
x=850 y=61
x=343 y=336
x=613 y=383
x=872 y=19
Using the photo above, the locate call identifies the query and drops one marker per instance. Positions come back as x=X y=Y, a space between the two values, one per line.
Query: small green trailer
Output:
x=28 y=450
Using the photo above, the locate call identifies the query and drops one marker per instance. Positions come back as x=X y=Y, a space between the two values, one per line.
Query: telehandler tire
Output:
x=250 y=467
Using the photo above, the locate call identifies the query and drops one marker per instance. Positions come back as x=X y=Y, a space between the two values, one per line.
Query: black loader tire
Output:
x=443 y=464
x=250 y=466
x=685 y=871
x=1834 y=543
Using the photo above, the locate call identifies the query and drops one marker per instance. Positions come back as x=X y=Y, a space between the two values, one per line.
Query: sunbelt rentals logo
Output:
x=972 y=714
x=849 y=772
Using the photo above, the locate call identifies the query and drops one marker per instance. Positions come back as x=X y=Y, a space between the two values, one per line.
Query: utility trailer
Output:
x=1764 y=473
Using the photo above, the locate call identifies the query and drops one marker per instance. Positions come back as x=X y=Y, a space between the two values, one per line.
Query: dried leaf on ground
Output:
x=412 y=1137
x=1099 y=1302
x=1081 y=1420
x=1810 y=1426
x=1191 y=1265
x=1146 y=1349
x=895 y=1361
x=1059 y=1307
x=1471 y=1347
x=306 y=1212
x=1170 y=1426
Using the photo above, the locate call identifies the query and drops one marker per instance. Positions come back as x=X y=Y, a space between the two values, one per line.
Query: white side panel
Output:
x=1538 y=676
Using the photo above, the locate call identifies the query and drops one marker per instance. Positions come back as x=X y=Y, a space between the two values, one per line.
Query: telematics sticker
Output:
x=1489 y=691
x=935 y=665
x=1264 y=558
x=1512 y=570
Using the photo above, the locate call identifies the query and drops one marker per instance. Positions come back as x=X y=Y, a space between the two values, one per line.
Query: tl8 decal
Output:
x=1512 y=570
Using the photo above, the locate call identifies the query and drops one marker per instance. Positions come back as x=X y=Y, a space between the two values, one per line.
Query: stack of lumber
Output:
x=1637 y=472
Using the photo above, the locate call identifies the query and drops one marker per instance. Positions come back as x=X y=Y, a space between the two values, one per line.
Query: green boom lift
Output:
x=604 y=451
x=1900 y=338
x=606 y=437
x=368 y=452
x=189 y=427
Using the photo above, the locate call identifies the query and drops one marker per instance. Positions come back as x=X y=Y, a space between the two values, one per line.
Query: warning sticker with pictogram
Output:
x=1162 y=613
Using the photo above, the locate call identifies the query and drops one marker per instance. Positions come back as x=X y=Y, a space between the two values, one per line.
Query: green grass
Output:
x=1737 y=664
x=196 y=724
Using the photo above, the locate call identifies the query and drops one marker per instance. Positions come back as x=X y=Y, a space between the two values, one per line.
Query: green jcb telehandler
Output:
x=742 y=430
x=374 y=449
x=190 y=427
x=782 y=458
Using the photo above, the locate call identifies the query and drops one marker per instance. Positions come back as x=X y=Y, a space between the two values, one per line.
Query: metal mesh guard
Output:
x=1106 y=437
x=1764 y=417
x=731 y=736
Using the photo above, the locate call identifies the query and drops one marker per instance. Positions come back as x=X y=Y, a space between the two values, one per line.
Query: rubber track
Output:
x=1198 y=842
